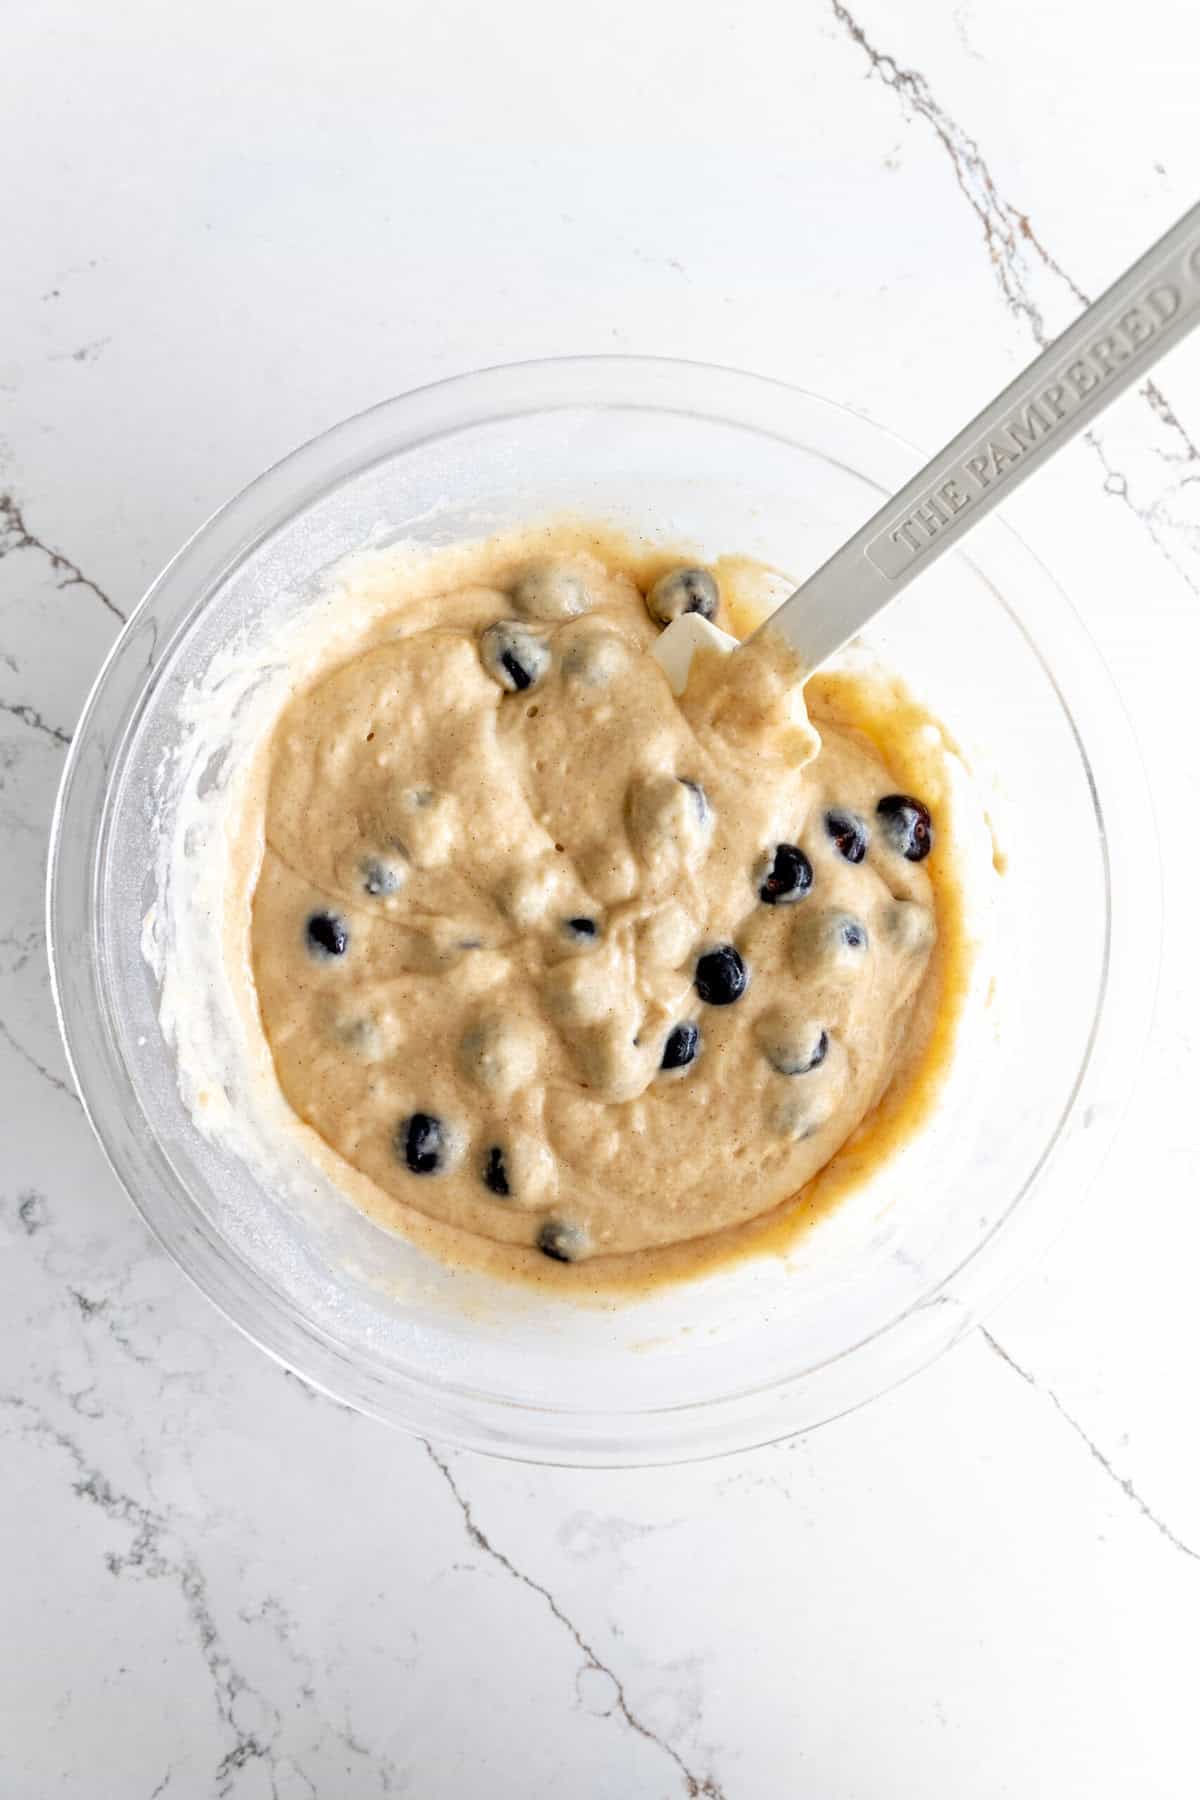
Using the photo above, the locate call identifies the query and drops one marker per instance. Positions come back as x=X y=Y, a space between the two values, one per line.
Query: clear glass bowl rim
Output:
x=697 y=1429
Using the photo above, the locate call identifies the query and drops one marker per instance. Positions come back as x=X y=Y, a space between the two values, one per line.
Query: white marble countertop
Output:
x=228 y=226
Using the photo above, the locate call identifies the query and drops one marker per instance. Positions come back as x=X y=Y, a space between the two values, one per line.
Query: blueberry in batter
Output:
x=563 y=962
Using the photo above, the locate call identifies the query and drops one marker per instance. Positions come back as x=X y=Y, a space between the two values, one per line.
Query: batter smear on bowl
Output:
x=564 y=963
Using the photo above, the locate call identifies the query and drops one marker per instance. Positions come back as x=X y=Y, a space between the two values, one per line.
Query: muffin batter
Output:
x=566 y=963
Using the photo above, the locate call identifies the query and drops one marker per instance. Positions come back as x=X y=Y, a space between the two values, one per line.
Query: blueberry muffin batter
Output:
x=565 y=963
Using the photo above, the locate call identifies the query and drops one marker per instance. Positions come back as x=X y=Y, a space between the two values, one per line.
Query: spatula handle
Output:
x=1112 y=344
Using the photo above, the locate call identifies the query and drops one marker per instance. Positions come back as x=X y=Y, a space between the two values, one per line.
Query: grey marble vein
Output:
x=31 y=1211
x=56 y=1081
x=1122 y=1481
x=101 y=1310
x=697 y=1787
x=1018 y=257
x=153 y=1556
x=29 y=715
x=15 y=535
x=24 y=945
x=158 y=1551
x=1007 y=232
x=85 y=353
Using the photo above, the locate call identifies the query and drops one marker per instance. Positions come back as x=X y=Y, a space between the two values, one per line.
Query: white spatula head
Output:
x=679 y=643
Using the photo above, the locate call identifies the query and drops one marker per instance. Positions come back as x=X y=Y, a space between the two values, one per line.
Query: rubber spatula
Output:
x=1119 y=337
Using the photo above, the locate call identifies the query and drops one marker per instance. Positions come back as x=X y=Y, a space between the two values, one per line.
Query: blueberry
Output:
x=670 y=820
x=498 y=1052
x=797 y=1058
x=359 y=1034
x=550 y=590
x=721 y=976
x=849 y=832
x=792 y=1044
x=682 y=591
x=495 y=1173
x=850 y=932
x=381 y=877
x=681 y=1047
x=800 y=1116
x=824 y=936
x=907 y=824
x=514 y=655
x=910 y=926
x=581 y=928
x=703 y=808
x=421 y=1140
x=789 y=876
x=595 y=656
x=560 y=1241
x=327 y=935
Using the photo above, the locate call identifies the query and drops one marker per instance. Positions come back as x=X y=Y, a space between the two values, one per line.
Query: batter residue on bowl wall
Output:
x=569 y=979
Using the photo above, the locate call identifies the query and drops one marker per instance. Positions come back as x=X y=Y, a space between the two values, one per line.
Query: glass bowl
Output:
x=902 y=1268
